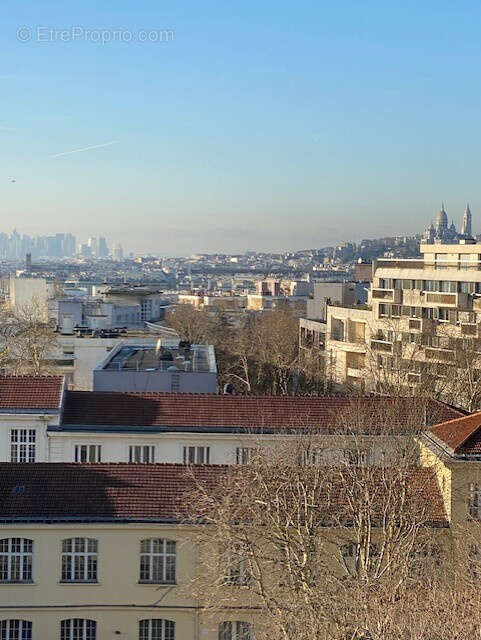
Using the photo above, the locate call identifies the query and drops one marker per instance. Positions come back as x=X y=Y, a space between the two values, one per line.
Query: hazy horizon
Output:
x=248 y=127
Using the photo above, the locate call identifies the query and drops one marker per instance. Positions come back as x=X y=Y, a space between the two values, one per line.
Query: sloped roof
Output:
x=125 y=492
x=30 y=392
x=98 y=492
x=212 y=411
x=462 y=435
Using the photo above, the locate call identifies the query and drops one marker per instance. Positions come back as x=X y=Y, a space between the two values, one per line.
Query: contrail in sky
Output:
x=95 y=146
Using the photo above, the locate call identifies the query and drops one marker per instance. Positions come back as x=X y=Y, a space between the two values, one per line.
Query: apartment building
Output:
x=420 y=314
x=42 y=421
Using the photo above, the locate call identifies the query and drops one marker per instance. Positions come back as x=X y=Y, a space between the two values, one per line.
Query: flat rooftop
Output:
x=195 y=358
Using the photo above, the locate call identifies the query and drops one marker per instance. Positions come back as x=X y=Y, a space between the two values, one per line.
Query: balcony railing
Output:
x=400 y=264
x=386 y=295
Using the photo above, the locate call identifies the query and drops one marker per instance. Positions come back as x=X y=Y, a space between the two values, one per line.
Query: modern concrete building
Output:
x=25 y=293
x=151 y=300
x=420 y=314
x=169 y=366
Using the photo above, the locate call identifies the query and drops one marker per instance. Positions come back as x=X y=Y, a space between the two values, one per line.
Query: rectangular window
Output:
x=79 y=560
x=474 y=505
x=430 y=285
x=356 y=457
x=196 y=455
x=158 y=561
x=443 y=314
x=88 y=453
x=142 y=453
x=175 y=383
x=243 y=455
x=22 y=445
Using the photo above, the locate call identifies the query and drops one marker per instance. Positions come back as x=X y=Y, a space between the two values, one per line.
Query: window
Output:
x=15 y=630
x=196 y=455
x=349 y=550
x=79 y=560
x=243 y=455
x=443 y=314
x=78 y=629
x=16 y=556
x=237 y=573
x=356 y=457
x=88 y=453
x=156 y=629
x=22 y=445
x=142 y=453
x=175 y=383
x=235 y=630
x=157 y=561
x=448 y=287
x=474 y=501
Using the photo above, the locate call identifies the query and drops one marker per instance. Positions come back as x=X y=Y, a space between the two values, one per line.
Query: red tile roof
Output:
x=462 y=435
x=136 y=492
x=97 y=491
x=215 y=411
x=30 y=392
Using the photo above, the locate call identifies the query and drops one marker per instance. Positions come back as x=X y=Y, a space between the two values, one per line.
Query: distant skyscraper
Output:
x=103 y=248
x=117 y=252
x=93 y=244
x=467 y=220
x=69 y=245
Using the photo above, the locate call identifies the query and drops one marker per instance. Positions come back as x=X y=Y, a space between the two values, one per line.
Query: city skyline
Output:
x=225 y=135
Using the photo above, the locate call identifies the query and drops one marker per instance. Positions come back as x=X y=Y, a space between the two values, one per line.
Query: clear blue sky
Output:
x=262 y=125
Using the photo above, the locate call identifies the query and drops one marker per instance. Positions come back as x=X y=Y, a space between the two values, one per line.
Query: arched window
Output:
x=16 y=557
x=236 y=630
x=15 y=630
x=78 y=629
x=156 y=629
x=157 y=560
x=79 y=560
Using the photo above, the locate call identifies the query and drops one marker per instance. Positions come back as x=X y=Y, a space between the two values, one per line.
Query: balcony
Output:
x=440 y=355
x=353 y=372
x=386 y=295
x=400 y=264
x=412 y=298
x=381 y=345
x=454 y=300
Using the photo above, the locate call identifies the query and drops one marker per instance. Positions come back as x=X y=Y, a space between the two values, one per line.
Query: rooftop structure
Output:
x=167 y=366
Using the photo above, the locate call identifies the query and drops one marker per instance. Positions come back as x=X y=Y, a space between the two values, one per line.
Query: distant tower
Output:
x=441 y=222
x=467 y=219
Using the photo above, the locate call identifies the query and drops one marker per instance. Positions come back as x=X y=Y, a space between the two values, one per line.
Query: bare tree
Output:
x=321 y=536
x=27 y=341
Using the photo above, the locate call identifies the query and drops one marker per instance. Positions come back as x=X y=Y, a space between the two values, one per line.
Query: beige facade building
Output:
x=93 y=552
x=421 y=313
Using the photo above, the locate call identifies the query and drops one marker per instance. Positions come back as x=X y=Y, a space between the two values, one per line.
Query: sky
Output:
x=234 y=126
